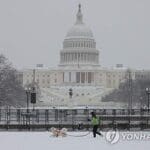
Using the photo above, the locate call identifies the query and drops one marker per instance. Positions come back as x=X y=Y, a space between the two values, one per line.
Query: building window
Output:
x=63 y=77
x=78 y=77
x=114 y=82
x=82 y=77
x=69 y=76
x=84 y=44
x=75 y=56
x=89 y=77
x=109 y=82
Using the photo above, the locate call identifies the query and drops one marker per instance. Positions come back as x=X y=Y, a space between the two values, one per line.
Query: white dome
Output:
x=80 y=31
x=79 y=46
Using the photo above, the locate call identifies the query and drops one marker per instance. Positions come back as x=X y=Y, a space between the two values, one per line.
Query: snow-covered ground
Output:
x=82 y=96
x=44 y=141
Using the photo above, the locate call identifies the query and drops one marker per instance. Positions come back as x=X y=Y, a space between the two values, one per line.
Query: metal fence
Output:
x=44 y=119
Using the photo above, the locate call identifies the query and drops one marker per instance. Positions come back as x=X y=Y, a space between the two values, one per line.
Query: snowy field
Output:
x=44 y=141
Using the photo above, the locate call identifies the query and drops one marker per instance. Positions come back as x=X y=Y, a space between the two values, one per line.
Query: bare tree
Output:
x=11 y=90
x=130 y=92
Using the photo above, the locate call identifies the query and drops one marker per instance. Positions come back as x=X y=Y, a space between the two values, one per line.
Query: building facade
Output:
x=79 y=67
x=79 y=62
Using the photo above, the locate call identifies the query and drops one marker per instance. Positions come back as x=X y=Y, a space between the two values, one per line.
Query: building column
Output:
x=86 y=57
x=64 y=58
x=67 y=58
x=90 y=57
x=61 y=57
x=80 y=77
x=72 y=58
x=93 y=58
x=79 y=57
x=85 y=77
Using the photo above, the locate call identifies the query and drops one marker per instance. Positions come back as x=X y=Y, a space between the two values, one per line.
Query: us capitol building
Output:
x=79 y=69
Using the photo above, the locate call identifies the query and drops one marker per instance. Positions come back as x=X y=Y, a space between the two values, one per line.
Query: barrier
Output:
x=44 y=119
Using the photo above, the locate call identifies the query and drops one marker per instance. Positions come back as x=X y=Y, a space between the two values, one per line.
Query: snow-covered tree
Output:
x=11 y=90
x=124 y=93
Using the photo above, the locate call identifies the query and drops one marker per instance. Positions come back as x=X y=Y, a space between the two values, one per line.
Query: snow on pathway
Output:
x=44 y=141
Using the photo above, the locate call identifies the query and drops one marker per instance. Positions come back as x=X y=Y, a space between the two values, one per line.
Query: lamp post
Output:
x=148 y=96
x=70 y=93
x=28 y=92
x=33 y=96
x=70 y=97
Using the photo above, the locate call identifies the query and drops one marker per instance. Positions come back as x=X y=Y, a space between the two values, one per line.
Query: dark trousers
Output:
x=95 y=127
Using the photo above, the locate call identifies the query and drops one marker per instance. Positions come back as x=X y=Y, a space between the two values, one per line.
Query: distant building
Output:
x=79 y=64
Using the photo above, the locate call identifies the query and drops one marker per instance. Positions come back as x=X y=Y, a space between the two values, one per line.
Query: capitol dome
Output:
x=79 y=30
x=79 y=46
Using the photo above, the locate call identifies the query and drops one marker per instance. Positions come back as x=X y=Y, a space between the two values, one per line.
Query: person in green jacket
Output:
x=95 y=122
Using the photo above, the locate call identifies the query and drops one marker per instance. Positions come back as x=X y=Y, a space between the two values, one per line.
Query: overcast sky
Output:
x=32 y=31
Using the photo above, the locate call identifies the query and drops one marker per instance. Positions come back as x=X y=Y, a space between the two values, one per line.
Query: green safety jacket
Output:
x=95 y=121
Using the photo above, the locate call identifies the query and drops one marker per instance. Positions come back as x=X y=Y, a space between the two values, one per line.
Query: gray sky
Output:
x=32 y=31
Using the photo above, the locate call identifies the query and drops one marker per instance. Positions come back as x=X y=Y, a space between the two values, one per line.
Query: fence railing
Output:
x=20 y=118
